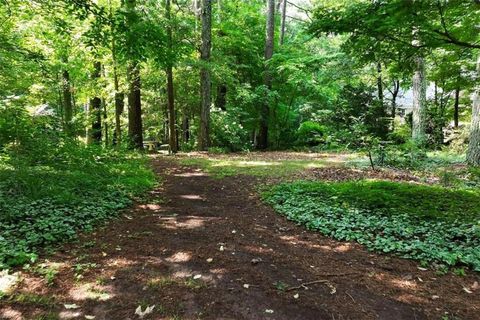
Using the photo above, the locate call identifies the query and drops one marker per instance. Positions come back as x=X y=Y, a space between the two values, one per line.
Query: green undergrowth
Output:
x=46 y=202
x=220 y=168
x=427 y=223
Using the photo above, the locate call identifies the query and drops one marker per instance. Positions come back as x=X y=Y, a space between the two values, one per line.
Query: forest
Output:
x=239 y=159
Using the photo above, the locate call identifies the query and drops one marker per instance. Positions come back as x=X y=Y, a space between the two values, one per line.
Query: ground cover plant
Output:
x=50 y=201
x=427 y=223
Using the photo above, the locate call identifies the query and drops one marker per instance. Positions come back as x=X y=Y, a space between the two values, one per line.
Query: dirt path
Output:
x=247 y=257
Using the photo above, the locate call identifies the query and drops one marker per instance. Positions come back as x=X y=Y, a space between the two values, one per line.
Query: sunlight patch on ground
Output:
x=343 y=248
x=8 y=281
x=191 y=174
x=192 y=223
x=404 y=284
x=411 y=299
x=69 y=314
x=119 y=262
x=91 y=291
x=153 y=207
x=10 y=314
x=180 y=256
x=191 y=197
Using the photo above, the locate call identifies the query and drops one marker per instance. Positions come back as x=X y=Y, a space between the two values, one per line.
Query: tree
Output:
x=473 y=153
x=135 y=128
x=96 y=107
x=205 y=80
x=170 y=89
x=269 y=46
x=419 y=88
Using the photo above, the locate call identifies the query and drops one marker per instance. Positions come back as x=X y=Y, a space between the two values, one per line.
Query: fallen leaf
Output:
x=475 y=286
x=467 y=290
x=147 y=311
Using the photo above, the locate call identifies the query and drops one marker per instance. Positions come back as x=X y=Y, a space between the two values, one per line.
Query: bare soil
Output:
x=205 y=248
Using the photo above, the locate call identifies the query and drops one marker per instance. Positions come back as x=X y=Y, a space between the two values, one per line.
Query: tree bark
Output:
x=473 y=153
x=96 y=107
x=119 y=98
x=284 y=20
x=456 y=107
x=396 y=90
x=269 y=44
x=205 y=80
x=419 y=112
x=170 y=86
x=221 y=99
x=67 y=104
x=135 y=130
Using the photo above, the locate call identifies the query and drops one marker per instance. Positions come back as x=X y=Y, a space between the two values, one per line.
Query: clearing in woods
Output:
x=204 y=246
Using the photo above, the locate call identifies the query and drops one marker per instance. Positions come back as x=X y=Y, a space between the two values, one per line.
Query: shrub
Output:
x=310 y=134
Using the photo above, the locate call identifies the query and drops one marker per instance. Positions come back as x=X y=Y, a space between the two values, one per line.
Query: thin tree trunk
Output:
x=473 y=153
x=185 y=129
x=456 y=107
x=170 y=89
x=67 y=104
x=380 y=83
x=396 y=90
x=105 y=122
x=96 y=107
x=284 y=20
x=419 y=114
x=221 y=99
x=269 y=43
x=119 y=97
x=171 y=111
x=205 y=81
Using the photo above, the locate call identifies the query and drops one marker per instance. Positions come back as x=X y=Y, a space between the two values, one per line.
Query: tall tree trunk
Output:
x=105 y=122
x=419 y=115
x=396 y=90
x=205 y=81
x=67 y=104
x=221 y=98
x=456 y=107
x=473 y=153
x=284 y=20
x=119 y=96
x=170 y=90
x=135 y=130
x=96 y=107
x=269 y=43
x=171 y=111
x=380 y=82
x=185 y=128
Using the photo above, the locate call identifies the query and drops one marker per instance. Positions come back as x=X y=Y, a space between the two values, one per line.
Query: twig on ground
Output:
x=304 y=285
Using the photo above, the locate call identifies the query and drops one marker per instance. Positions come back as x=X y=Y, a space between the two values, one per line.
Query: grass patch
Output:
x=220 y=168
x=44 y=202
x=427 y=223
